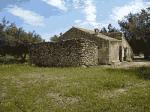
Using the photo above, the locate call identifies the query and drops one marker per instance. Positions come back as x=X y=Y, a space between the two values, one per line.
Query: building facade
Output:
x=80 y=46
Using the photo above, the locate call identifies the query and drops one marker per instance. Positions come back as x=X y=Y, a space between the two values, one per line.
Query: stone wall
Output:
x=114 y=48
x=74 y=52
x=76 y=33
x=103 y=52
x=127 y=53
x=103 y=45
x=116 y=35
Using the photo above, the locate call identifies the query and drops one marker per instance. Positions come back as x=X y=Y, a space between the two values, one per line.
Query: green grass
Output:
x=25 y=88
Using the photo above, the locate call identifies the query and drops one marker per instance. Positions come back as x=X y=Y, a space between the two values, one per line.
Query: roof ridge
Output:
x=99 y=34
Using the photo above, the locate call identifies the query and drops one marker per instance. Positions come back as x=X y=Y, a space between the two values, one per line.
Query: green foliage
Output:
x=15 y=41
x=109 y=29
x=112 y=29
x=55 y=38
x=136 y=28
x=103 y=30
x=26 y=88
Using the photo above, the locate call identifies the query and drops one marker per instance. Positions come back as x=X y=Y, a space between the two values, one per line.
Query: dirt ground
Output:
x=134 y=63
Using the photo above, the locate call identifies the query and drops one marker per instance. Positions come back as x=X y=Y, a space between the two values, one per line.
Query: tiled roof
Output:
x=100 y=35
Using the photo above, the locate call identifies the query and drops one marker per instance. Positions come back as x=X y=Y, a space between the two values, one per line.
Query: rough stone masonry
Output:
x=73 y=52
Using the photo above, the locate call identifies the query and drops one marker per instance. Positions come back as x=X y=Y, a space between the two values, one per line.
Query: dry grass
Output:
x=25 y=88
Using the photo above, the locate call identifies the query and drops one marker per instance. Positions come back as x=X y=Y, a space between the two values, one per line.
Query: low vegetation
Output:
x=25 y=88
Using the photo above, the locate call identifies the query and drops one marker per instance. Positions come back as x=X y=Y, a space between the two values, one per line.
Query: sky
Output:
x=51 y=17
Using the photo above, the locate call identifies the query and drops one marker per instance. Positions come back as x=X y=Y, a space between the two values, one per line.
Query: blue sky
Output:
x=50 y=17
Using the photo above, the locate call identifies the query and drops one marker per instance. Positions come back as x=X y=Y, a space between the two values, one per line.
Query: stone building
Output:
x=80 y=46
x=112 y=47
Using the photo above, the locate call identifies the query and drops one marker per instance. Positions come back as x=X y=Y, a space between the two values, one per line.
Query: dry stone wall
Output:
x=74 y=52
x=103 y=45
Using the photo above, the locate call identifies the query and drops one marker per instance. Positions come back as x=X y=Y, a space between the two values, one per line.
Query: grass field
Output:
x=25 y=88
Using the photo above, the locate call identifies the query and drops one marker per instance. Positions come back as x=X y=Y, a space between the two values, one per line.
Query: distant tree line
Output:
x=109 y=29
x=15 y=41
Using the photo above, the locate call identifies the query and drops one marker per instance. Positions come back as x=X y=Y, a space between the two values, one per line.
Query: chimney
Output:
x=96 y=30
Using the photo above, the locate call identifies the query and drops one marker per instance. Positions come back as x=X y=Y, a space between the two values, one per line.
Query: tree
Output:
x=15 y=41
x=112 y=29
x=55 y=38
x=136 y=28
x=109 y=29
x=103 y=30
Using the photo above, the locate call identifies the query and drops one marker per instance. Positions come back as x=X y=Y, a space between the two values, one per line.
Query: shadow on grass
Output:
x=11 y=60
x=141 y=72
x=144 y=72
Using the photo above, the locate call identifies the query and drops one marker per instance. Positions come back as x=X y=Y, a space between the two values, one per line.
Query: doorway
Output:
x=120 y=53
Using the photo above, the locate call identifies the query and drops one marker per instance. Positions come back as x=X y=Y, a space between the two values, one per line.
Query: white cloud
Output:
x=60 y=4
x=78 y=4
x=78 y=21
x=27 y=16
x=133 y=7
x=89 y=10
